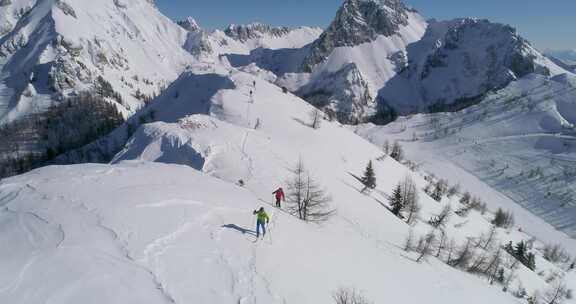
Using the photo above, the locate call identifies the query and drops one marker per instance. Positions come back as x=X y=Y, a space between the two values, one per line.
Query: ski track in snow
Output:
x=120 y=244
x=123 y=247
x=21 y=275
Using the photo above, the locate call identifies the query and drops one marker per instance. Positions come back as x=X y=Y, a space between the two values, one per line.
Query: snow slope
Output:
x=60 y=47
x=519 y=141
x=153 y=233
x=170 y=233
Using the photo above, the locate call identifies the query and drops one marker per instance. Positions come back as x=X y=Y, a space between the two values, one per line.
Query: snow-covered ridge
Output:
x=209 y=46
x=190 y=24
x=62 y=46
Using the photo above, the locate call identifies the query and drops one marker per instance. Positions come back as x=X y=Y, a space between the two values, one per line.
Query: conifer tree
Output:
x=397 y=152
x=465 y=199
x=386 y=147
x=369 y=178
x=531 y=261
x=439 y=190
x=503 y=219
x=396 y=201
x=520 y=250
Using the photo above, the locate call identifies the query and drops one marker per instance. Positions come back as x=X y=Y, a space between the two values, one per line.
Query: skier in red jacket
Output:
x=279 y=193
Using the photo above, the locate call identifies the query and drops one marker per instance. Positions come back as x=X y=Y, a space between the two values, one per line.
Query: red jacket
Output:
x=279 y=194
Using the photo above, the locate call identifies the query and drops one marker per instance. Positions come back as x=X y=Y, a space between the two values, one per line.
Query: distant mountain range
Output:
x=566 y=58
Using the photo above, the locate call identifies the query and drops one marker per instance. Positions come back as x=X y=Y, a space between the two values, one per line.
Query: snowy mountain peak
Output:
x=190 y=24
x=59 y=46
x=117 y=54
x=357 y=22
x=519 y=56
x=460 y=60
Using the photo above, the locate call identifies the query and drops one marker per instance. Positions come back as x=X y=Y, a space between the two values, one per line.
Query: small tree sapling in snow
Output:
x=520 y=291
x=440 y=220
x=409 y=242
x=503 y=219
x=315 y=119
x=487 y=241
x=306 y=198
x=556 y=294
x=453 y=190
x=450 y=250
x=425 y=246
x=493 y=266
x=386 y=147
x=521 y=253
x=534 y=298
x=410 y=197
x=442 y=242
x=439 y=189
x=463 y=256
x=465 y=199
x=349 y=296
x=555 y=253
x=477 y=263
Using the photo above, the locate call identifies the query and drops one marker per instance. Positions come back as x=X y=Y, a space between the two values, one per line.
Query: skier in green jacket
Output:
x=261 y=220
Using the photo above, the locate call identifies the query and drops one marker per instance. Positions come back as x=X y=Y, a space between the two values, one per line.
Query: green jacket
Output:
x=262 y=216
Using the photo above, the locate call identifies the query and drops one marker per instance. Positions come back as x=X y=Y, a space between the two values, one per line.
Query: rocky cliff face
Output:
x=254 y=30
x=462 y=59
x=357 y=22
x=343 y=95
x=190 y=25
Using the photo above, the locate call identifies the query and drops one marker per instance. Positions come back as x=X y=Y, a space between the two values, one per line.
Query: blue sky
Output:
x=548 y=24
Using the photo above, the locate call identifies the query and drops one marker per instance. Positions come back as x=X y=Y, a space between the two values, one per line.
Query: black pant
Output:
x=278 y=202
